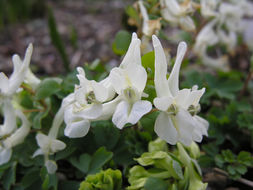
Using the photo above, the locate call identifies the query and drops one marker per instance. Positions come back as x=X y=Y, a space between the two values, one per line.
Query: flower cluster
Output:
x=225 y=23
x=178 y=14
x=11 y=134
x=119 y=96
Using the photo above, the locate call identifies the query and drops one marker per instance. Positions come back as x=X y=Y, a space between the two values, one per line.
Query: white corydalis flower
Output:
x=17 y=137
x=177 y=120
x=149 y=27
x=209 y=8
x=178 y=14
x=48 y=146
x=86 y=105
x=8 y=86
x=209 y=37
x=129 y=81
x=32 y=80
x=9 y=124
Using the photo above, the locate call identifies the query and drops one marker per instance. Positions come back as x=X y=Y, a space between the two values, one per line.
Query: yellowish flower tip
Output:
x=29 y=49
x=155 y=40
x=182 y=47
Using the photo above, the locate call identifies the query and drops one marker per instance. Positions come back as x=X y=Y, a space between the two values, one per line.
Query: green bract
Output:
x=166 y=170
x=104 y=180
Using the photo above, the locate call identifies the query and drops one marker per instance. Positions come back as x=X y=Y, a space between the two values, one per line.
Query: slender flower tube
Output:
x=8 y=86
x=15 y=138
x=49 y=144
x=129 y=81
x=178 y=120
x=149 y=27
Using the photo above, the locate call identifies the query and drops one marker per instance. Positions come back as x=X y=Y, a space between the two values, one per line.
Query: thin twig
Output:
x=245 y=85
x=241 y=180
x=33 y=110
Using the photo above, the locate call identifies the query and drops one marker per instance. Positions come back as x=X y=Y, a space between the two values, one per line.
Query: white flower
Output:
x=129 y=81
x=178 y=14
x=15 y=138
x=86 y=105
x=149 y=27
x=48 y=145
x=208 y=7
x=32 y=80
x=209 y=37
x=177 y=120
x=9 y=115
x=8 y=86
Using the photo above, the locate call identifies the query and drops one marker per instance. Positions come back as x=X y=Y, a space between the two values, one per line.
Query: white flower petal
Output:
x=181 y=98
x=68 y=100
x=9 y=124
x=80 y=95
x=163 y=103
x=165 y=129
x=42 y=140
x=101 y=93
x=119 y=80
x=139 y=109
x=173 y=7
x=187 y=23
x=186 y=126
x=202 y=124
x=161 y=85
x=109 y=109
x=5 y=155
x=77 y=129
x=4 y=83
x=194 y=97
x=133 y=55
x=57 y=145
x=51 y=166
x=38 y=152
x=18 y=76
x=138 y=76
x=91 y=112
x=173 y=80
x=19 y=135
x=120 y=115
x=108 y=85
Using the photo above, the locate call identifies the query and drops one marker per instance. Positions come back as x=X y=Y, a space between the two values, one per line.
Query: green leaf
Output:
x=105 y=134
x=83 y=163
x=56 y=39
x=69 y=185
x=228 y=156
x=148 y=61
x=132 y=12
x=178 y=169
x=155 y=184
x=245 y=158
x=37 y=117
x=48 y=87
x=100 y=157
x=9 y=177
x=231 y=170
x=240 y=169
x=26 y=99
x=50 y=181
x=219 y=160
x=30 y=177
x=121 y=42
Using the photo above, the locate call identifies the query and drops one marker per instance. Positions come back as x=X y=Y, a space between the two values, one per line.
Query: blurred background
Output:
x=62 y=31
